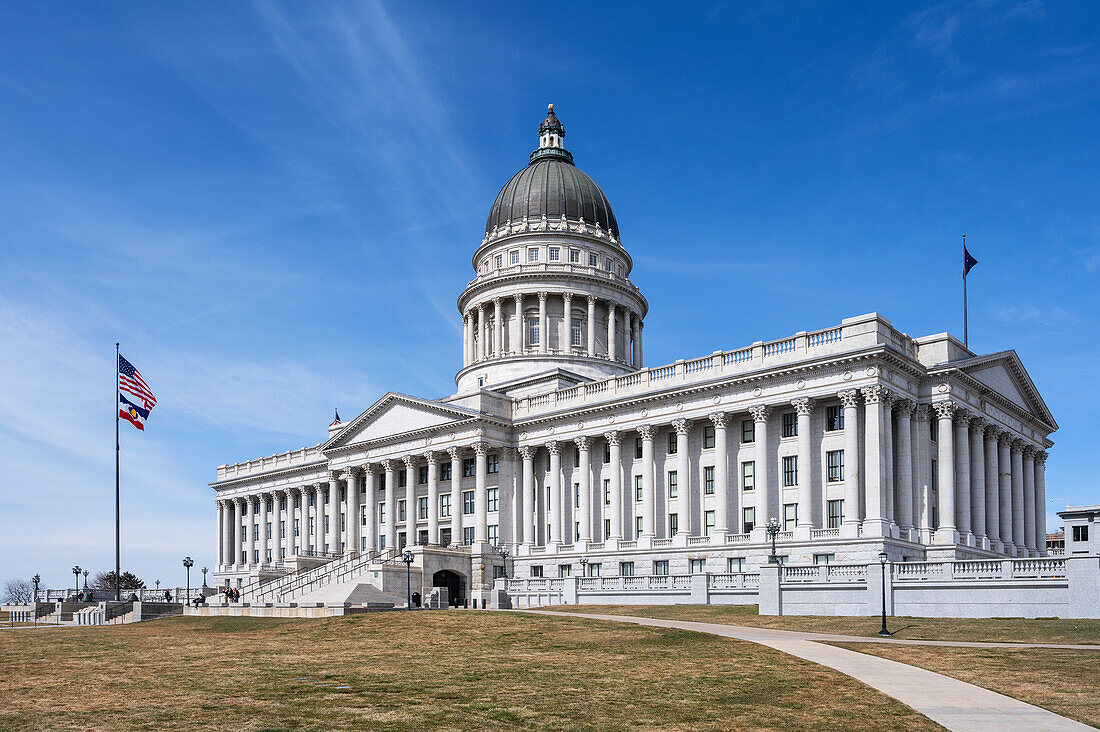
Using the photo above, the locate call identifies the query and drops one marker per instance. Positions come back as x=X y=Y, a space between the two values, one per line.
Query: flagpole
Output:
x=966 y=333
x=118 y=590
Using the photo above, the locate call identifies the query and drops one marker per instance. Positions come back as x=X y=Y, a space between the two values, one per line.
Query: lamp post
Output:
x=76 y=577
x=584 y=566
x=882 y=564
x=85 y=573
x=158 y=590
x=34 y=608
x=188 y=563
x=772 y=527
x=204 y=571
x=407 y=558
x=503 y=552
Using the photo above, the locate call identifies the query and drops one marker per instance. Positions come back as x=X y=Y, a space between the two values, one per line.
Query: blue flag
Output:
x=968 y=262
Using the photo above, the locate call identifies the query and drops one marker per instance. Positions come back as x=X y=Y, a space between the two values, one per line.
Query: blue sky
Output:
x=273 y=208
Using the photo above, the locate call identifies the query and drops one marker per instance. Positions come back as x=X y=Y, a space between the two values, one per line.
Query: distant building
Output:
x=1056 y=543
x=1082 y=530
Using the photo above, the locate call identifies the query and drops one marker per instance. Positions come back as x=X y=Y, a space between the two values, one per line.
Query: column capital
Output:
x=849 y=398
x=592 y=299
x=804 y=406
x=1030 y=451
x=481 y=448
x=874 y=394
x=992 y=431
x=646 y=432
x=921 y=412
x=718 y=419
x=905 y=407
x=466 y=317
x=1018 y=446
x=481 y=309
x=614 y=437
x=760 y=412
x=370 y=468
x=963 y=417
x=582 y=442
x=409 y=460
x=348 y=474
x=567 y=295
x=543 y=296
x=945 y=410
x=1005 y=438
x=553 y=447
x=455 y=453
x=388 y=465
x=509 y=453
x=1041 y=457
x=431 y=456
x=497 y=301
x=527 y=452
x=682 y=426
x=977 y=424
x=518 y=297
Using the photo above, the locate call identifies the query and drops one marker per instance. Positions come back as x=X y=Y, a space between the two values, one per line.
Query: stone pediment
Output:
x=398 y=414
x=1004 y=373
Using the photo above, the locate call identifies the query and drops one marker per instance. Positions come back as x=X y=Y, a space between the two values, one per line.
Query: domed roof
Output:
x=551 y=186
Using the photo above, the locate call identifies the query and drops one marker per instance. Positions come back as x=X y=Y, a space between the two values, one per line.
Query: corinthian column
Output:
x=352 y=491
x=875 y=524
x=498 y=326
x=410 y=500
x=803 y=407
x=977 y=482
x=1004 y=474
x=591 y=326
x=565 y=341
x=433 y=496
x=585 y=470
x=466 y=339
x=517 y=326
x=456 y=495
x=611 y=331
x=481 y=494
x=1041 y=503
x=636 y=323
x=850 y=400
x=482 y=334
x=721 y=478
x=555 y=492
x=370 y=530
x=1017 y=448
x=265 y=545
x=544 y=330
x=613 y=442
x=649 y=507
x=962 y=477
x=992 y=491
x=531 y=522
x=760 y=414
x=904 y=513
x=683 y=477
x=945 y=456
x=1029 y=500
x=238 y=540
x=390 y=488
x=221 y=532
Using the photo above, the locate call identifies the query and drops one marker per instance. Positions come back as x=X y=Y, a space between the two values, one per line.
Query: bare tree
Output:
x=106 y=581
x=18 y=591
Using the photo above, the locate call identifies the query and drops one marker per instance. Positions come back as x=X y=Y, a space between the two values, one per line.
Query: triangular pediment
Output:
x=1004 y=373
x=398 y=414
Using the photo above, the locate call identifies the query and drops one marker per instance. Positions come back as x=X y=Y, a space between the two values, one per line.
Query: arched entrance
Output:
x=455 y=584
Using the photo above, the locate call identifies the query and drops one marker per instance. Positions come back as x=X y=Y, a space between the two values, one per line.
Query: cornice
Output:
x=280 y=473
x=987 y=392
x=553 y=277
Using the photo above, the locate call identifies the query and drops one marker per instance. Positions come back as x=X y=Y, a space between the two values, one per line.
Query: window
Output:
x=400 y=510
x=297 y=527
x=499 y=260
x=493 y=495
x=565 y=570
x=609 y=264
x=620 y=270
x=282 y=503
x=834 y=418
x=422 y=537
x=790 y=424
x=626 y=569
x=698 y=566
x=268 y=530
x=606 y=453
x=326 y=494
x=513 y=257
x=748 y=475
x=835 y=510
x=637 y=489
x=468 y=468
x=422 y=508
x=834 y=466
x=555 y=254
x=708 y=437
x=637 y=526
x=312 y=500
x=493 y=464
x=708 y=480
x=297 y=501
x=492 y=532
x=576 y=495
x=594 y=569
x=820 y=559
x=467 y=535
x=1080 y=533
x=708 y=523
x=933 y=429
x=672 y=487
x=935 y=476
x=637 y=448
x=575 y=333
x=660 y=567
x=735 y=565
x=748 y=519
x=790 y=471
x=536 y=570
x=445 y=471
x=532 y=254
x=748 y=431
x=672 y=442
x=343 y=522
x=311 y=531
x=382 y=513
x=402 y=481
x=282 y=552
x=422 y=474
x=790 y=516
x=577 y=458
x=467 y=503
x=445 y=537
x=673 y=523
x=593 y=260
x=282 y=529
x=606 y=492
x=574 y=256
x=532 y=332
x=445 y=505
x=606 y=529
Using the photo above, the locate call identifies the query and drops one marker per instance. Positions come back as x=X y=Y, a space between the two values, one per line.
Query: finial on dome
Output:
x=551 y=131
x=550 y=108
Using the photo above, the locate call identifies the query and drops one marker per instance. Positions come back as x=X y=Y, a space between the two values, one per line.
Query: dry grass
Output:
x=428 y=670
x=1064 y=681
x=1011 y=630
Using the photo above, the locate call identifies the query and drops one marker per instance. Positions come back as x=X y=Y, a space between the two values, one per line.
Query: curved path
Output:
x=954 y=704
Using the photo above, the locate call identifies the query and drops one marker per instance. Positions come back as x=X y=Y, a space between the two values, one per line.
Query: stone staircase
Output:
x=361 y=578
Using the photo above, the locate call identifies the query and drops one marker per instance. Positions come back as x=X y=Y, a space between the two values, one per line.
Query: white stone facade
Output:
x=559 y=444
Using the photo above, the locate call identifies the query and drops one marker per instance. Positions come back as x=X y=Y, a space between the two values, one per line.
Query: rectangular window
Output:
x=268 y=530
x=382 y=513
x=790 y=424
x=820 y=559
x=834 y=466
x=660 y=567
x=422 y=508
x=673 y=523
x=606 y=492
x=297 y=527
x=493 y=464
x=790 y=471
x=575 y=332
x=835 y=510
x=748 y=519
x=513 y=256
x=555 y=254
x=708 y=437
x=637 y=448
x=493 y=499
x=698 y=566
x=401 y=510
x=637 y=489
x=343 y=522
x=492 y=531
x=748 y=431
x=422 y=475
x=672 y=442
x=445 y=471
x=469 y=468
x=565 y=570
x=708 y=480
x=282 y=504
x=577 y=458
x=606 y=529
x=445 y=537
x=935 y=477
x=499 y=261
x=637 y=526
x=467 y=535
x=576 y=495
x=790 y=516
x=606 y=453
x=311 y=531
x=609 y=264
x=748 y=475
x=282 y=529
x=593 y=260
x=536 y=570
x=672 y=486
x=445 y=505
x=1080 y=533
x=626 y=569
x=532 y=332
x=708 y=523
x=402 y=481
x=574 y=256
x=933 y=429
x=735 y=565
x=533 y=254
x=594 y=569
x=297 y=501
x=467 y=503
x=834 y=418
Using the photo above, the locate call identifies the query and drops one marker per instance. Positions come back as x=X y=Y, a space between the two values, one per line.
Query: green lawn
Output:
x=1012 y=630
x=464 y=670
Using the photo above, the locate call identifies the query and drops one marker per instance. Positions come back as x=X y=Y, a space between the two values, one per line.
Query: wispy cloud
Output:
x=1050 y=317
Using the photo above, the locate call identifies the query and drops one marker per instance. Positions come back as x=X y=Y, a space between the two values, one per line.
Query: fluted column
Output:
x=312 y=542
x=334 y=513
x=221 y=532
x=636 y=327
x=466 y=339
x=544 y=331
x=945 y=457
x=284 y=523
x=479 y=334
x=922 y=440
x=370 y=530
x=1029 y=499
x=803 y=408
x=1004 y=479
x=850 y=400
x=433 y=496
x=390 y=489
x=555 y=492
x=565 y=340
x=264 y=541
x=352 y=492
x=977 y=481
x=531 y=520
x=1041 y=503
x=410 y=500
x=760 y=415
x=456 y=495
x=481 y=496
x=611 y=331
x=591 y=326
x=874 y=480
x=888 y=486
x=238 y=540
x=641 y=354
x=992 y=490
x=498 y=327
x=904 y=509
x=721 y=476
x=962 y=477
x=614 y=438
x=1018 y=539
x=517 y=326
x=585 y=481
x=649 y=506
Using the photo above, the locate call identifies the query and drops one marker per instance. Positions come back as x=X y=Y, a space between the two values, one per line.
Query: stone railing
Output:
x=290 y=459
x=1040 y=568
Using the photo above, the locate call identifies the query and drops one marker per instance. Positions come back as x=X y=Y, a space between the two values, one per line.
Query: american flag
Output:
x=130 y=381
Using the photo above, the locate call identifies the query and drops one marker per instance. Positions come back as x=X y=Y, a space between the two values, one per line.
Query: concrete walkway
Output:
x=954 y=704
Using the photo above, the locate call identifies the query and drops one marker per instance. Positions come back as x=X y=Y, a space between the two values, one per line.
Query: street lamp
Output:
x=188 y=563
x=85 y=573
x=584 y=566
x=204 y=571
x=772 y=527
x=503 y=552
x=158 y=590
x=882 y=563
x=76 y=575
x=34 y=608
x=407 y=558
